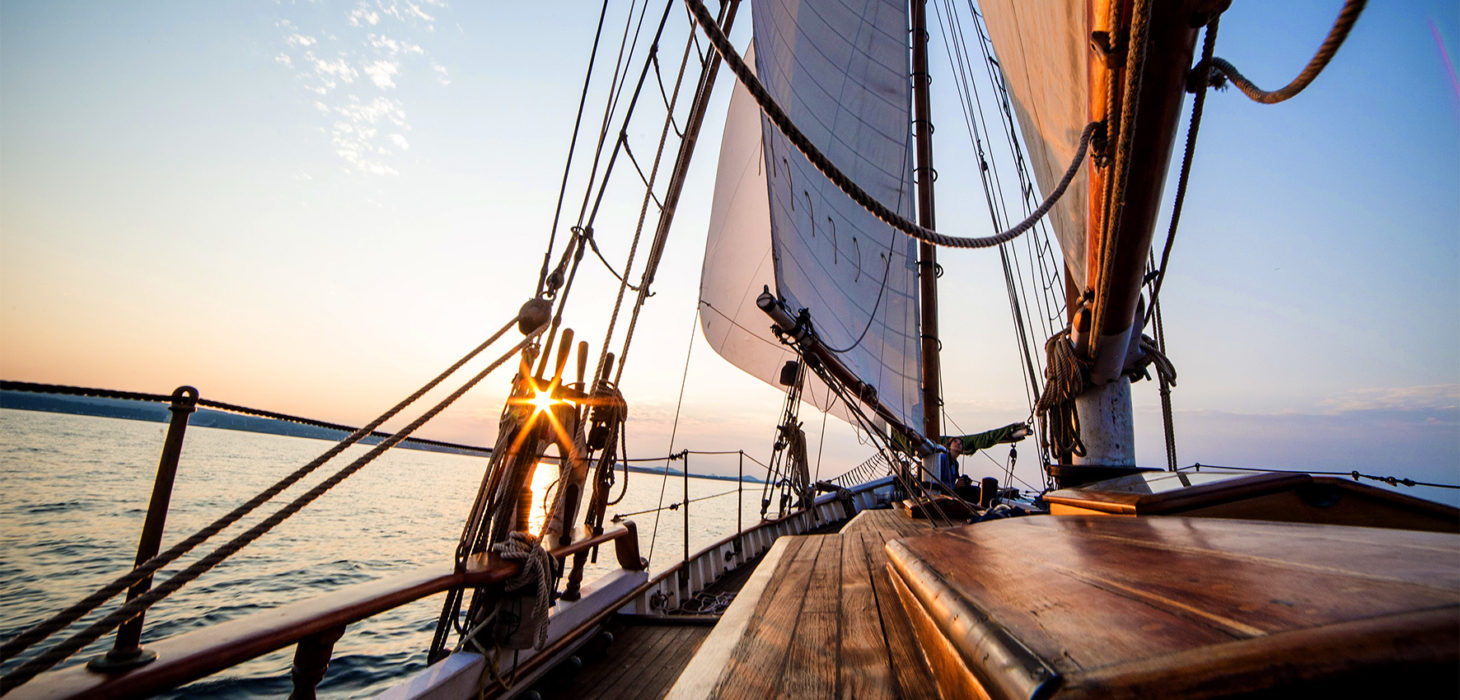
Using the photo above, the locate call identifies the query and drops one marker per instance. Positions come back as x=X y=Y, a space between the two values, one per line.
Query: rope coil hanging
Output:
x=1065 y=378
x=783 y=123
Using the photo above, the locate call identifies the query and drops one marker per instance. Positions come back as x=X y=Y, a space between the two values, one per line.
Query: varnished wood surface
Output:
x=828 y=623
x=1170 y=605
x=1286 y=497
x=891 y=521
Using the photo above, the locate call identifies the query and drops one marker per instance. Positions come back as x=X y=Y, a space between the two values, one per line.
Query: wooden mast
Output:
x=1125 y=197
x=927 y=255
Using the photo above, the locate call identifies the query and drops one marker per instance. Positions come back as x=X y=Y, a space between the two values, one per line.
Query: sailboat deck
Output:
x=820 y=618
x=642 y=662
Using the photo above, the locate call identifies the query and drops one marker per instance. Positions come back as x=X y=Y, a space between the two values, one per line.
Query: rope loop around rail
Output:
x=798 y=139
x=1347 y=17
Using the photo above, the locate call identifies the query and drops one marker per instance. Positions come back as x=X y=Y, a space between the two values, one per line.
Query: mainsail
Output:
x=840 y=70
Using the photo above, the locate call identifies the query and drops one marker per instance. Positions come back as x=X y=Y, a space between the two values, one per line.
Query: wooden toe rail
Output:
x=314 y=624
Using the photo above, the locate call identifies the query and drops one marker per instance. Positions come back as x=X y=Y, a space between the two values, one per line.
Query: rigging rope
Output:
x=846 y=184
x=1209 y=42
x=64 y=618
x=1355 y=475
x=127 y=611
x=1341 y=26
x=674 y=430
x=672 y=506
x=572 y=148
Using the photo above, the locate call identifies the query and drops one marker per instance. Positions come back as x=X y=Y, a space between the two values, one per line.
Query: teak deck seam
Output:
x=827 y=624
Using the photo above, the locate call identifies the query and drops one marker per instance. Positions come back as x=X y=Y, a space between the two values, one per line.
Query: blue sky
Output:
x=312 y=206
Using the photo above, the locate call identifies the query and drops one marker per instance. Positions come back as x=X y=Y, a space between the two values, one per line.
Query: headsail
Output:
x=841 y=73
x=1043 y=50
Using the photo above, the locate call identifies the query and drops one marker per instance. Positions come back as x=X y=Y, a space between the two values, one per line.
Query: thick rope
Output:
x=536 y=571
x=803 y=144
x=1116 y=183
x=136 y=606
x=64 y=618
x=1347 y=17
x=1064 y=379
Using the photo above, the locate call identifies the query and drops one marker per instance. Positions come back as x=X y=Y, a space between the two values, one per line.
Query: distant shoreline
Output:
x=210 y=418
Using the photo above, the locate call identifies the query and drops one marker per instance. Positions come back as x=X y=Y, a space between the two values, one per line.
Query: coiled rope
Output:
x=76 y=642
x=803 y=144
x=536 y=571
x=1341 y=26
x=1064 y=379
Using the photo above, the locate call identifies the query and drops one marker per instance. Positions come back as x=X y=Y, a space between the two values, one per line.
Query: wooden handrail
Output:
x=197 y=654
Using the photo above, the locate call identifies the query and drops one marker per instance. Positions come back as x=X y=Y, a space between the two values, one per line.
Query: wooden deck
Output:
x=642 y=662
x=819 y=619
x=890 y=521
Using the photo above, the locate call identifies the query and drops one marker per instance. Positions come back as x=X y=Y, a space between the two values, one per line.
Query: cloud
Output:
x=383 y=73
x=380 y=41
x=1413 y=398
x=362 y=16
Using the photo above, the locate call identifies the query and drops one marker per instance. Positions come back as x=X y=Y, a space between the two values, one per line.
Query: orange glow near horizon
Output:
x=543 y=478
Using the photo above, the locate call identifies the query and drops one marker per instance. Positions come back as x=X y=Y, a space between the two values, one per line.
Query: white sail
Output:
x=738 y=254
x=840 y=70
x=1043 y=47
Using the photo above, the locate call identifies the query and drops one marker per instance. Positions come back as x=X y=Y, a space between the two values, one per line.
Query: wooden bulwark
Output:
x=1077 y=606
x=820 y=619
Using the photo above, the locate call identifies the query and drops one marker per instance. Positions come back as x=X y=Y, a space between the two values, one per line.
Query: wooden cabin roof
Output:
x=1084 y=606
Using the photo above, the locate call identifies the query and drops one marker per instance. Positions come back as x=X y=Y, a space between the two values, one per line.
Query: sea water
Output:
x=74 y=491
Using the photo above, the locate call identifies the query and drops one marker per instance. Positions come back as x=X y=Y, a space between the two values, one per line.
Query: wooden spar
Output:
x=1120 y=238
x=814 y=352
x=927 y=255
x=1125 y=197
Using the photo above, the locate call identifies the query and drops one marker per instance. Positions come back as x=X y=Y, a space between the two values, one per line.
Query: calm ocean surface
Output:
x=74 y=491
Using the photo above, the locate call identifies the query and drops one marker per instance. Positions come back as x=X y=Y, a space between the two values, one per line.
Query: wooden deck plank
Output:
x=909 y=668
x=810 y=670
x=819 y=627
x=887 y=520
x=621 y=673
x=655 y=645
x=667 y=666
x=628 y=666
x=752 y=670
x=863 y=668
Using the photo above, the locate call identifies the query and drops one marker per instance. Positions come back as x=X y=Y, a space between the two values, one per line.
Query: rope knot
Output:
x=536 y=571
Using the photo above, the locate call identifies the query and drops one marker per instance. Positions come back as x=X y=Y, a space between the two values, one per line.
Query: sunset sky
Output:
x=312 y=207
